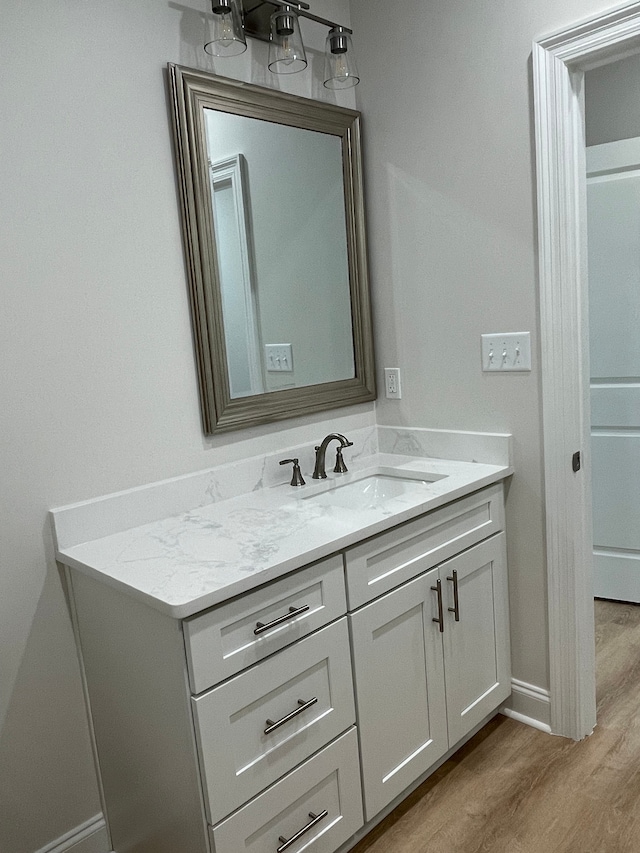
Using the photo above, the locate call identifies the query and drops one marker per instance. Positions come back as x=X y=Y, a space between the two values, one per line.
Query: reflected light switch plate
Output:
x=279 y=358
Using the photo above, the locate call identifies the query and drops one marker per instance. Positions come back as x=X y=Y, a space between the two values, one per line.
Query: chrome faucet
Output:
x=319 y=472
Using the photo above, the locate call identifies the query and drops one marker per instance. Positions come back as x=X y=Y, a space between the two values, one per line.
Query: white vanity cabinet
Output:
x=315 y=808
x=261 y=724
x=238 y=728
x=476 y=649
x=399 y=675
x=422 y=689
x=431 y=658
x=231 y=730
x=233 y=636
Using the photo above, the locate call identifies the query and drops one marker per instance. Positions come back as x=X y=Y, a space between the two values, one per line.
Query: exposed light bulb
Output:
x=341 y=67
x=288 y=52
x=226 y=29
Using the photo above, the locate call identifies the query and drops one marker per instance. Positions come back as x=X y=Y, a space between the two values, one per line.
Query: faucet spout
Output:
x=319 y=472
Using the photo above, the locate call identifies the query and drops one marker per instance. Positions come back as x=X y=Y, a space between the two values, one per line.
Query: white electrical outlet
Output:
x=279 y=358
x=506 y=351
x=392 y=384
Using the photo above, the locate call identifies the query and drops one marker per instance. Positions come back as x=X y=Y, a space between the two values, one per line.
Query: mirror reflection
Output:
x=280 y=236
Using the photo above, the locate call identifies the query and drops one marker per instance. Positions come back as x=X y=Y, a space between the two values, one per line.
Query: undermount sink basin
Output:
x=375 y=489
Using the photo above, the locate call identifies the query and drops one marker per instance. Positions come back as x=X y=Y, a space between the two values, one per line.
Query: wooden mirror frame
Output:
x=192 y=92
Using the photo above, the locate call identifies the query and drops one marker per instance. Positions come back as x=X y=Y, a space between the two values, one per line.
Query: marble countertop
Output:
x=193 y=560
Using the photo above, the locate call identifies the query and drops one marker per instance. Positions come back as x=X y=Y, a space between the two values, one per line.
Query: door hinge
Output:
x=576 y=462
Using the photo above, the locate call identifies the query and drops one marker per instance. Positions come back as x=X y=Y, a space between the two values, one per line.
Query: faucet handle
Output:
x=340 y=467
x=296 y=476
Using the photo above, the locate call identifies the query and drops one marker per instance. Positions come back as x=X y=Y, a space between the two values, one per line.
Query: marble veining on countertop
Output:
x=195 y=559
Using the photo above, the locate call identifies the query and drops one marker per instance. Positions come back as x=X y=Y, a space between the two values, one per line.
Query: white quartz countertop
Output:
x=196 y=559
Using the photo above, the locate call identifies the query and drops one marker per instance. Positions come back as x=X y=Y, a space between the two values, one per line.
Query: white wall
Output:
x=612 y=101
x=446 y=97
x=97 y=383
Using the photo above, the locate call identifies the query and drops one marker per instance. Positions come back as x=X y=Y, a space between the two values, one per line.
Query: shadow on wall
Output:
x=193 y=30
x=25 y=785
x=252 y=65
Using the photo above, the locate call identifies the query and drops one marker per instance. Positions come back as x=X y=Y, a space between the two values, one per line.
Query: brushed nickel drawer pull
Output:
x=315 y=818
x=271 y=726
x=293 y=612
x=440 y=617
x=456 y=604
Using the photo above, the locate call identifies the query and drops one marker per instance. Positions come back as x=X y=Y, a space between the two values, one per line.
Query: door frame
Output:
x=559 y=64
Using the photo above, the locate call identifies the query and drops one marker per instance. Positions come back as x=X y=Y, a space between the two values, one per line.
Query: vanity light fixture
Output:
x=276 y=21
x=226 y=36
x=286 y=50
x=340 y=70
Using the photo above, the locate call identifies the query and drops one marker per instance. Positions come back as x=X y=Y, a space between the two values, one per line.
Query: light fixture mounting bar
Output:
x=299 y=4
x=330 y=24
x=302 y=9
x=257 y=24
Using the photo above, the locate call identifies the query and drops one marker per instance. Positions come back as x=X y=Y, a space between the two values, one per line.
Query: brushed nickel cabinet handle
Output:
x=315 y=818
x=440 y=619
x=271 y=726
x=261 y=627
x=456 y=604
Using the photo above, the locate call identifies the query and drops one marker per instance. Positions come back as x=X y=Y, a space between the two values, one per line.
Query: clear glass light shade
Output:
x=340 y=71
x=286 y=50
x=226 y=33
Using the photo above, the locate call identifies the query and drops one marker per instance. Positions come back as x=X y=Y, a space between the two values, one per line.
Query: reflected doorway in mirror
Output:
x=236 y=267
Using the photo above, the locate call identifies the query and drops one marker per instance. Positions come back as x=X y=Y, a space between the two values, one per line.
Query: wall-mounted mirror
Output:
x=273 y=227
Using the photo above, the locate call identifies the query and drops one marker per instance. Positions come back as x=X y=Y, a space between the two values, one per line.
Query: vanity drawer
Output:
x=223 y=641
x=329 y=782
x=384 y=562
x=256 y=727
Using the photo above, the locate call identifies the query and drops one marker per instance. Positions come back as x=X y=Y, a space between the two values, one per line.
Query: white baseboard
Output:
x=529 y=704
x=90 y=837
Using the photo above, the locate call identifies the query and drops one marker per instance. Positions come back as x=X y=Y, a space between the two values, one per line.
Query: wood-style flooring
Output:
x=513 y=789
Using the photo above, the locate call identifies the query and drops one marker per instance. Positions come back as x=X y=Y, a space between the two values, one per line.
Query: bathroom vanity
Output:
x=276 y=670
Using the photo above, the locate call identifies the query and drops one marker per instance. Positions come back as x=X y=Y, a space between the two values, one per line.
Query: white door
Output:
x=613 y=191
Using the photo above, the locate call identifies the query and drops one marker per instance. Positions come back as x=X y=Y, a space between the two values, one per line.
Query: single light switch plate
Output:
x=279 y=358
x=392 y=383
x=506 y=351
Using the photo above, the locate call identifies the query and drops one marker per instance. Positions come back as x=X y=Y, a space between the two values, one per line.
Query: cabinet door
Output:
x=476 y=648
x=397 y=657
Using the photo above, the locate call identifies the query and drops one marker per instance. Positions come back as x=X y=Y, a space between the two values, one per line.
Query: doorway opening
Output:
x=612 y=113
x=559 y=63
